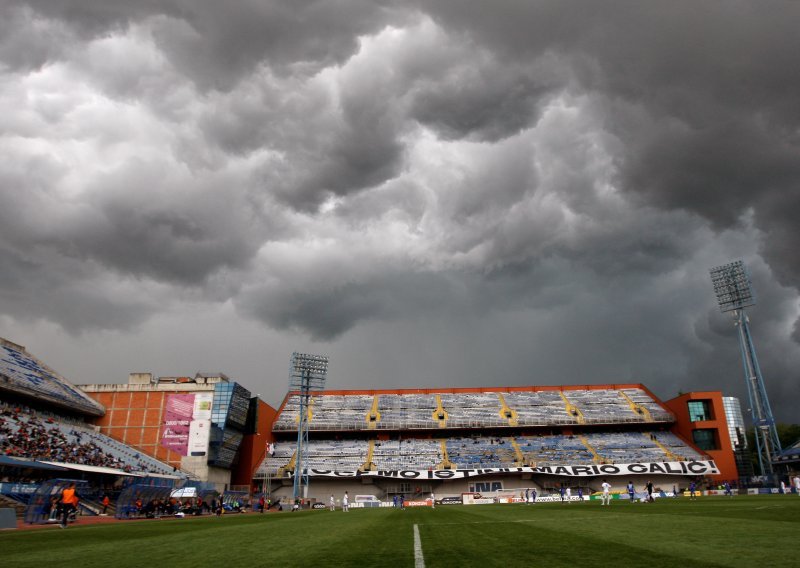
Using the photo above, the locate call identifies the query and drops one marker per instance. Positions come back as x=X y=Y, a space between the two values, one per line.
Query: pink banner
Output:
x=177 y=420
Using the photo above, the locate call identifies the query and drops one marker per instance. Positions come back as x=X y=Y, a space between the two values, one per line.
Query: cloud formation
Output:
x=534 y=189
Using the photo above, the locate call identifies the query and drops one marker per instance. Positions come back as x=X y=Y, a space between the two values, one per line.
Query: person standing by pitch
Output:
x=68 y=502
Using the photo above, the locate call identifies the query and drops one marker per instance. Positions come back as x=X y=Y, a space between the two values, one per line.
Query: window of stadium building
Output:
x=705 y=439
x=699 y=410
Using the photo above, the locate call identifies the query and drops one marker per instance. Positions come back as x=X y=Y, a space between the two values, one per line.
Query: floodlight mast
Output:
x=734 y=293
x=307 y=375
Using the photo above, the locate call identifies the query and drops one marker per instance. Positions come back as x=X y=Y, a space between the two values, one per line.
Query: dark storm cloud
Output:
x=28 y=43
x=76 y=296
x=216 y=43
x=482 y=98
x=710 y=84
x=326 y=312
x=539 y=185
x=134 y=220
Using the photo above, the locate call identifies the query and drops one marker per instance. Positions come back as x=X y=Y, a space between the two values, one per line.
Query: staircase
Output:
x=506 y=411
x=309 y=412
x=637 y=408
x=289 y=466
x=373 y=416
x=672 y=456
x=367 y=465
x=440 y=414
x=445 y=463
x=572 y=410
x=595 y=456
x=518 y=452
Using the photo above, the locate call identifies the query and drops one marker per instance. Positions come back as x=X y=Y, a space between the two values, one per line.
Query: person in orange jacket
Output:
x=69 y=502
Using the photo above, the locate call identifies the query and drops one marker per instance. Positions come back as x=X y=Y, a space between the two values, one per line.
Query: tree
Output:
x=788 y=434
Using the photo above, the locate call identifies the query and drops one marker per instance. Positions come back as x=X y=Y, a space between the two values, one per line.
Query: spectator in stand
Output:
x=33 y=439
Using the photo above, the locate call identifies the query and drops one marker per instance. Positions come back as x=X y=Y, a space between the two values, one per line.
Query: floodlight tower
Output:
x=734 y=293
x=307 y=375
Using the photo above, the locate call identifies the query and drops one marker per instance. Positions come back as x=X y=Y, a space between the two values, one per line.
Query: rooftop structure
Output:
x=22 y=374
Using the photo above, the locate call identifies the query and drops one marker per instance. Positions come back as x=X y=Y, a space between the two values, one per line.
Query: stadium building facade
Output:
x=498 y=440
x=196 y=424
x=701 y=417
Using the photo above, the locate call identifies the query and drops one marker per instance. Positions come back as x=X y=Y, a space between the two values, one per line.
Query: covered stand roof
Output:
x=23 y=374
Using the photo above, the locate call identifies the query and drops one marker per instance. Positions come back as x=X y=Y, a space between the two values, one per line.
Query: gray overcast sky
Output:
x=435 y=194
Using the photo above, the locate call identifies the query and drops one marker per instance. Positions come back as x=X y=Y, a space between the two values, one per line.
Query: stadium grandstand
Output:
x=47 y=432
x=45 y=417
x=452 y=441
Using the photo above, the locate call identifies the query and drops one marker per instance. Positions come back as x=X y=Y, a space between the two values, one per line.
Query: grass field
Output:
x=742 y=531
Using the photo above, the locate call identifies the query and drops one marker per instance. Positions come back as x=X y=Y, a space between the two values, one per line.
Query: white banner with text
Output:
x=693 y=468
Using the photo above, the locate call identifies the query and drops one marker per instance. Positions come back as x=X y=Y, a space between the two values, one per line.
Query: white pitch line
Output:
x=419 y=560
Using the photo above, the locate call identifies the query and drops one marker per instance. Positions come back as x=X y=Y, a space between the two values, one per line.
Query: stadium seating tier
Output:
x=460 y=410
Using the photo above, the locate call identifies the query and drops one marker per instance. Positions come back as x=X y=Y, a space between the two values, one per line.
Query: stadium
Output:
x=494 y=444
x=196 y=450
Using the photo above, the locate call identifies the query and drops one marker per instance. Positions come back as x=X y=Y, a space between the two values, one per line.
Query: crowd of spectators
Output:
x=23 y=434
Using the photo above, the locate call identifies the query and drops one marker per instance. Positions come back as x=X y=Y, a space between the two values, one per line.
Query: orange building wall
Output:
x=135 y=418
x=723 y=457
x=253 y=448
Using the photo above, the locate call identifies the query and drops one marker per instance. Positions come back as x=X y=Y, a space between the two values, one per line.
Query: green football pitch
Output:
x=755 y=531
